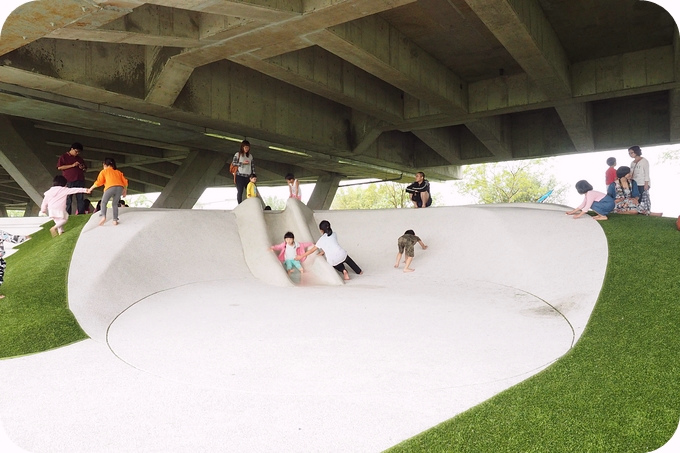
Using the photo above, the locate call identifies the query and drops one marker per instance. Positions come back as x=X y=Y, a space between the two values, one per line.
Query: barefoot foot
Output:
x=102 y=221
x=53 y=231
x=345 y=275
x=409 y=270
x=115 y=222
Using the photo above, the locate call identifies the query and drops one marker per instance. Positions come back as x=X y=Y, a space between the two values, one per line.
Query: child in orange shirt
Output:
x=115 y=186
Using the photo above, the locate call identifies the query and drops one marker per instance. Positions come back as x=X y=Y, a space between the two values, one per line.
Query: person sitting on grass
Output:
x=54 y=203
x=599 y=202
x=406 y=244
x=14 y=238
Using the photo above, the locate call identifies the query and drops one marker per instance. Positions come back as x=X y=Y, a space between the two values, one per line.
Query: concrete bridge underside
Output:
x=326 y=89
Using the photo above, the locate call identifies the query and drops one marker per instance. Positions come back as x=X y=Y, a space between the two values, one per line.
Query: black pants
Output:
x=241 y=184
x=80 y=198
x=350 y=262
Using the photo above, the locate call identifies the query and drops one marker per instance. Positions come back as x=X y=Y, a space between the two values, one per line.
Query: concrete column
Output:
x=190 y=180
x=32 y=209
x=324 y=192
x=22 y=164
x=3 y=210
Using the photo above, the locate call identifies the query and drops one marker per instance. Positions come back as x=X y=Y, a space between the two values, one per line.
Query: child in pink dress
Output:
x=55 y=203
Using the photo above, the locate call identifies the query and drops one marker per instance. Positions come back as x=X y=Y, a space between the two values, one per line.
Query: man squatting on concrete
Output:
x=420 y=191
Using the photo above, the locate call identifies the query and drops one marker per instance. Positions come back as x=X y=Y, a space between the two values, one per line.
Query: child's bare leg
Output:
x=398 y=259
x=408 y=263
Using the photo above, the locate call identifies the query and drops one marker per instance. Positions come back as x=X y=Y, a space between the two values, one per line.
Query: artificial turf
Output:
x=34 y=315
x=618 y=389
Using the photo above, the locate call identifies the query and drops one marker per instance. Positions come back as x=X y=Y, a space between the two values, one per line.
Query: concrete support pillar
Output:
x=32 y=209
x=324 y=192
x=22 y=164
x=3 y=210
x=190 y=180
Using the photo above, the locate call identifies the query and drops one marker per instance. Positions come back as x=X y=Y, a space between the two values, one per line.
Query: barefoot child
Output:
x=599 y=202
x=335 y=255
x=16 y=239
x=115 y=186
x=288 y=251
x=54 y=203
x=405 y=244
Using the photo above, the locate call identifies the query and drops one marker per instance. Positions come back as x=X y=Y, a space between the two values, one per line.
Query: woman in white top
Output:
x=639 y=168
x=335 y=255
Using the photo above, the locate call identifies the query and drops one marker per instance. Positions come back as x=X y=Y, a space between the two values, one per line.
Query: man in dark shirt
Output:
x=73 y=168
x=420 y=191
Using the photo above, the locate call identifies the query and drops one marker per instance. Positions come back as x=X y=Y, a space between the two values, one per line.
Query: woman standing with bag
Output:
x=243 y=162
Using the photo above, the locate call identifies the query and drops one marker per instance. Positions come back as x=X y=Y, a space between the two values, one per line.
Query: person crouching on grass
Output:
x=599 y=202
x=54 y=203
x=406 y=244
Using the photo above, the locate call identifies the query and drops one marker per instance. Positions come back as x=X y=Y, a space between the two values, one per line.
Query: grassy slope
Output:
x=34 y=316
x=618 y=389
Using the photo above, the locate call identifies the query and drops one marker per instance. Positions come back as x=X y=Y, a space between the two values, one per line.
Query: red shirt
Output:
x=75 y=173
x=610 y=176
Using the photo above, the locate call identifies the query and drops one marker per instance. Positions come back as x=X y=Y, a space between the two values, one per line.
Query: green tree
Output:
x=510 y=182
x=274 y=202
x=385 y=195
x=138 y=201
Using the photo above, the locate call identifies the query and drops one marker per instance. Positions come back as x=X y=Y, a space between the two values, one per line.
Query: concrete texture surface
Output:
x=189 y=351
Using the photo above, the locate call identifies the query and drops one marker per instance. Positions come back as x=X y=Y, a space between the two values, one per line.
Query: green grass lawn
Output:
x=35 y=316
x=617 y=390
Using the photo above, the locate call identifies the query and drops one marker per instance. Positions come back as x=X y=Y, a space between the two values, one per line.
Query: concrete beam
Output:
x=32 y=209
x=22 y=164
x=326 y=14
x=378 y=48
x=317 y=71
x=494 y=133
x=444 y=141
x=324 y=192
x=522 y=28
x=191 y=180
x=577 y=120
x=39 y=19
x=674 y=94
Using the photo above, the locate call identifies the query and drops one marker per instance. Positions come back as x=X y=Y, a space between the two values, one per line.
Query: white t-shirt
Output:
x=291 y=251
x=334 y=253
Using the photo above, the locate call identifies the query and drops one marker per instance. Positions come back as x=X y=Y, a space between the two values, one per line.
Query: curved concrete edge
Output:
x=254 y=233
x=151 y=250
